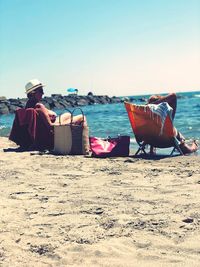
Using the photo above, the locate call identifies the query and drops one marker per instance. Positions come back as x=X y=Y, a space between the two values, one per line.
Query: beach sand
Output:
x=82 y=211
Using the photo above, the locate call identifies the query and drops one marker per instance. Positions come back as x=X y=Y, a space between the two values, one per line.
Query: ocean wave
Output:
x=133 y=141
x=2 y=127
x=196 y=95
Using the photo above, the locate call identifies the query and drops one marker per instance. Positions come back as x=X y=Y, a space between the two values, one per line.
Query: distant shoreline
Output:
x=58 y=101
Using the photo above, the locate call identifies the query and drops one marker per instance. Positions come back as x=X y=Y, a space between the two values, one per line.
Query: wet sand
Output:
x=82 y=211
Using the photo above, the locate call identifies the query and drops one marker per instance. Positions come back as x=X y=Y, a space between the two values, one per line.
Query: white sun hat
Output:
x=32 y=85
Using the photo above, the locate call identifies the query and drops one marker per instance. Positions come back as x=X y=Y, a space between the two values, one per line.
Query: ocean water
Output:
x=111 y=119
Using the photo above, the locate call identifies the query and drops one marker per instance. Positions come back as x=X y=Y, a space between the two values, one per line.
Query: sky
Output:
x=112 y=47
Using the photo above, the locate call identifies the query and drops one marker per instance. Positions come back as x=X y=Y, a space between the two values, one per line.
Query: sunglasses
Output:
x=39 y=90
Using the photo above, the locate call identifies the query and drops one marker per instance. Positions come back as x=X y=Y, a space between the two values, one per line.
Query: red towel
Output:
x=28 y=117
x=30 y=131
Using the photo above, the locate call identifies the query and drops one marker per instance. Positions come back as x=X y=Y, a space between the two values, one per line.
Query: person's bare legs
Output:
x=185 y=148
x=188 y=149
x=65 y=118
x=78 y=119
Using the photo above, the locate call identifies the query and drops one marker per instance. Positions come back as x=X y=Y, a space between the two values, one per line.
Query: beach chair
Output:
x=31 y=130
x=147 y=126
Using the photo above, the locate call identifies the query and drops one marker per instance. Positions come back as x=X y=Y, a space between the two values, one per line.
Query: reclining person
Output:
x=171 y=99
x=34 y=91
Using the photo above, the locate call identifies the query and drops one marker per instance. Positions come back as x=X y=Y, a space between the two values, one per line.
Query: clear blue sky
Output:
x=114 y=47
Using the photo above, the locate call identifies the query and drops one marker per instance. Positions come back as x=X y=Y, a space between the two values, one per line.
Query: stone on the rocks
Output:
x=82 y=102
x=2 y=98
x=90 y=94
x=3 y=109
x=57 y=101
x=56 y=96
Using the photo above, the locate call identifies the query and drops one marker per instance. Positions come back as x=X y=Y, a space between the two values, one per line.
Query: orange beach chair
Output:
x=146 y=127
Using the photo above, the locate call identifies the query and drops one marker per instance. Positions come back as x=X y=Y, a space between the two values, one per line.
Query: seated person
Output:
x=34 y=91
x=171 y=99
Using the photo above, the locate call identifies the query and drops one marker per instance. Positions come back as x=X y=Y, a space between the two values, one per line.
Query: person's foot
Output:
x=186 y=149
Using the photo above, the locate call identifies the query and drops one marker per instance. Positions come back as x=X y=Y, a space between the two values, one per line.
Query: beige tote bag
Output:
x=71 y=139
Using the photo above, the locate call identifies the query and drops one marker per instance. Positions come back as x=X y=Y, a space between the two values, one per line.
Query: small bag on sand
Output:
x=110 y=147
x=71 y=139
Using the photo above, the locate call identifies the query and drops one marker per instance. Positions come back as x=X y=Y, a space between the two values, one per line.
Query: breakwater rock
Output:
x=58 y=101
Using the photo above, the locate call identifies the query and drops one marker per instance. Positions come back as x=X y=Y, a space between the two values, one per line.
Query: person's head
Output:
x=34 y=88
x=153 y=98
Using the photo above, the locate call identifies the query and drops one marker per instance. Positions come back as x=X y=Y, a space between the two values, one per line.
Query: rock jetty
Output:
x=58 y=101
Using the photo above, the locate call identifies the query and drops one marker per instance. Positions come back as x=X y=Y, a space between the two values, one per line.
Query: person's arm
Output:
x=43 y=111
x=52 y=115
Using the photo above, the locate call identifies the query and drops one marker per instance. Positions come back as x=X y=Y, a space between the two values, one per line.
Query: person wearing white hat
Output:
x=34 y=91
x=32 y=85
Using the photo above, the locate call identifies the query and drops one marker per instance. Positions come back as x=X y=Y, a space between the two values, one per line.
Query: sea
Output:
x=111 y=119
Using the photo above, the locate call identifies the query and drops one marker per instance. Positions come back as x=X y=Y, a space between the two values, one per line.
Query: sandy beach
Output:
x=82 y=211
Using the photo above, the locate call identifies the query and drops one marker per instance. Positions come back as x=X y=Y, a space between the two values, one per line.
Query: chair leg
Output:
x=176 y=146
x=179 y=149
x=144 y=151
x=138 y=151
x=141 y=148
x=173 y=151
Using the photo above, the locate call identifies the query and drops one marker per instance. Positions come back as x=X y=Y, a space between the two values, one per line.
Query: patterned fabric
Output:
x=162 y=110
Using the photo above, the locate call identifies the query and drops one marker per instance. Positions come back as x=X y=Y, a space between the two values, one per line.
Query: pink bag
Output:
x=110 y=147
